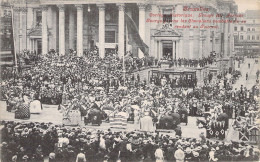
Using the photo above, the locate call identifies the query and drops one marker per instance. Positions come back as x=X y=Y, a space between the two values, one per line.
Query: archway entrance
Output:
x=167 y=50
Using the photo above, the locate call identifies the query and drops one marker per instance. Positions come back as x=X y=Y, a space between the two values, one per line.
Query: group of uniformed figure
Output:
x=216 y=129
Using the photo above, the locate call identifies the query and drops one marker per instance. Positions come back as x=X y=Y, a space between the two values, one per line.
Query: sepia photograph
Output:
x=129 y=80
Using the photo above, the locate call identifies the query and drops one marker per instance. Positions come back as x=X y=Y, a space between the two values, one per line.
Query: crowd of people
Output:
x=38 y=141
x=85 y=83
x=58 y=79
x=209 y=60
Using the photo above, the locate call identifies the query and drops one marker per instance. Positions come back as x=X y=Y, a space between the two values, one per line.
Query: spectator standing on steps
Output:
x=246 y=75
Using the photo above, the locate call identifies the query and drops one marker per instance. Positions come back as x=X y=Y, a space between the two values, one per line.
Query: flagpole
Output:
x=124 y=68
x=15 y=56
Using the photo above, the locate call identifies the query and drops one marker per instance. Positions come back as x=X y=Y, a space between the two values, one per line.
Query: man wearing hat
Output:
x=179 y=154
x=212 y=155
x=188 y=154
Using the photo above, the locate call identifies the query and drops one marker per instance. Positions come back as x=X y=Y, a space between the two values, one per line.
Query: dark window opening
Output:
x=110 y=37
x=167 y=16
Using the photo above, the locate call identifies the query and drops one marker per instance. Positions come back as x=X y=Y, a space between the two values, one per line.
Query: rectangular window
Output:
x=242 y=28
x=241 y=37
x=248 y=37
x=167 y=16
x=248 y=29
x=257 y=37
x=38 y=17
x=235 y=28
x=253 y=29
x=110 y=37
x=253 y=37
x=236 y=37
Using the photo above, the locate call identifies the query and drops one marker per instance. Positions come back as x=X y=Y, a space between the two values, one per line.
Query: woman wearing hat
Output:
x=81 y=156
x=159 y=154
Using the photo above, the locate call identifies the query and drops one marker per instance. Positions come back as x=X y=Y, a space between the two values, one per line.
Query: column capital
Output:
x=141 y=6
x=16 y=9
x=101 y=6
x=23 y=9
x=61 y=7
x=121 y=6
x=79 y=6
x=44 y=7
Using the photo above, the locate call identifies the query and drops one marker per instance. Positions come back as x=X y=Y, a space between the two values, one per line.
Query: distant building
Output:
x=247 y=35
x=6 y=33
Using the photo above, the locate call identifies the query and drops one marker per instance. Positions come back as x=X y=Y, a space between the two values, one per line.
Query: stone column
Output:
x=79 y=30
x=201 y=48
x=152 y=48
x=231 y=42
x=61 y=29
x=23 y=27
x=148 y=29
x=141 y=25
x=226 y=40
x=71 y=28
x=101 y=30
x=180 y=50
x=54 y=18
x=32 y=43
x=157 y=49
x=174 y=50
x=177 y=47
x=160 y=50
x=44 y=30
x=197 y=52
x=50 y=18
x=29 y=44
x=36 y=46
x=207 y=43
x=121 y=30
x=191 y=45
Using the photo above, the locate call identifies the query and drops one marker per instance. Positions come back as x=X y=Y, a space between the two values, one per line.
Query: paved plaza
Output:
x=51 y=113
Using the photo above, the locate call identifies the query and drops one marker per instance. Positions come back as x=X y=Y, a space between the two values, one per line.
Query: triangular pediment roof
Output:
x=167 y=33
x=36 y=31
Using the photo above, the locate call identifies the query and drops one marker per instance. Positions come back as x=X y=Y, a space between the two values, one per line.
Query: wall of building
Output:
x=195 y=43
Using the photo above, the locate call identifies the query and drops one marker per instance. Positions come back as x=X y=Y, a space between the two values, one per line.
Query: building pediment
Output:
x=167 y=33
x=36 y=31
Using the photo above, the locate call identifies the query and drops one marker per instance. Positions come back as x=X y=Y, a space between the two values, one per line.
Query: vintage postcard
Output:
x=129 y=80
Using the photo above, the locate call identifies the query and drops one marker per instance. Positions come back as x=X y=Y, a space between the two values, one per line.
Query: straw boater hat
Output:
x=188 y=150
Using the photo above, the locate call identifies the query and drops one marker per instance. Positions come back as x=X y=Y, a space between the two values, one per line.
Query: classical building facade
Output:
x=41 y=25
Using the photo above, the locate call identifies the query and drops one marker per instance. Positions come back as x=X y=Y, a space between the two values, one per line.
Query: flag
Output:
x=119 y=120
x=134 y=37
